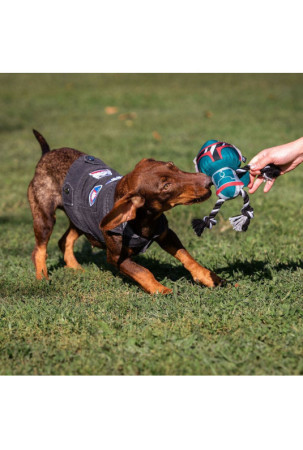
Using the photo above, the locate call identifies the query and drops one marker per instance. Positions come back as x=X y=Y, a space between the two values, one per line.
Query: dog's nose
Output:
x=208 y=182
x=204 y=180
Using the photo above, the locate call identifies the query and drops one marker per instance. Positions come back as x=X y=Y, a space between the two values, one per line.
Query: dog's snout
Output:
x=208 y=182
x=204 y=180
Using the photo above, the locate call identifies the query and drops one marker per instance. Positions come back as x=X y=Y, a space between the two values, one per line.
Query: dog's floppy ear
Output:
x=123 y=210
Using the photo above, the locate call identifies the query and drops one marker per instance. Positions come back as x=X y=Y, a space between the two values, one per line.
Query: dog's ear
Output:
x=123 y=210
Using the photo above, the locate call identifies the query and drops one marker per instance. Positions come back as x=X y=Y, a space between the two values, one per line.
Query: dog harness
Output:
x=88 y=195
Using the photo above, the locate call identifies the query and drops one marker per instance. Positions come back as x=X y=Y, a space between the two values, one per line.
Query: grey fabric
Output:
x=88 y=195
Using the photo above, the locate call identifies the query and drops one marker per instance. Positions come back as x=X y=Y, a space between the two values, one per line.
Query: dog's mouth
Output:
x=199 y=199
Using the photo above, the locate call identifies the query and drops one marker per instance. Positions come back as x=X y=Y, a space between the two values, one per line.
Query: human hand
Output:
x=287 y=157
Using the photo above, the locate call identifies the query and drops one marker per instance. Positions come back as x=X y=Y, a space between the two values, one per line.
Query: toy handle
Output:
x=271 y=171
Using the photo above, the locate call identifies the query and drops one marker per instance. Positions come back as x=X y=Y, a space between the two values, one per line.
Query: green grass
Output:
x=99 y=323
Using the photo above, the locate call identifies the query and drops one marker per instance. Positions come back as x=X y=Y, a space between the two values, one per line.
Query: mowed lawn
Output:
x=97 y=322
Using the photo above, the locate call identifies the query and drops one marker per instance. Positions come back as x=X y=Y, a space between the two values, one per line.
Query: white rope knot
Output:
x=239 y=223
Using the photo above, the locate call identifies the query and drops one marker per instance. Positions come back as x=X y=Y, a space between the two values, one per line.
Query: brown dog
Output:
x=134 y=216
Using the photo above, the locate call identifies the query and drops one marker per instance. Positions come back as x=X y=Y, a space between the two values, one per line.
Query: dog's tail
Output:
x=44 y=145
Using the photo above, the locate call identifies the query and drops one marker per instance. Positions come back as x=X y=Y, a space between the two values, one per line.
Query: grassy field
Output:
x=99 y=323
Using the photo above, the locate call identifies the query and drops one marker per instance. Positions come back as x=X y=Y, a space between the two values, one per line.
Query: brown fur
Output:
x=141 y=196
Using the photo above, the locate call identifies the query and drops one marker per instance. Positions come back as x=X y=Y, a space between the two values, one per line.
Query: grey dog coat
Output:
x=88 y=196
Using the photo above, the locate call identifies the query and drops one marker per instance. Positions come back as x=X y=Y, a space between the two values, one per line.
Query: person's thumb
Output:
x=259 y=161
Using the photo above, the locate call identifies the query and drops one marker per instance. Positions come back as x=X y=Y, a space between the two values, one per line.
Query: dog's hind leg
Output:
x=44 y=220
x=66 y=245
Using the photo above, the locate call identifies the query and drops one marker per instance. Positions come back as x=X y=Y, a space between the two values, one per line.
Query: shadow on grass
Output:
x=163 y=272
x=158 y=269
x=257 y=269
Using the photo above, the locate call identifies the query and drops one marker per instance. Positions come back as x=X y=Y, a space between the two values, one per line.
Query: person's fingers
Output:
x=255 y=173
x=257 y=183
x=251 y=180
x=269 y=185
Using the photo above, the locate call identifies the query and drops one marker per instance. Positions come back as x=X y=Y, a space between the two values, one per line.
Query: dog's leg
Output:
x=44 y=220
x=66 y=245
x=138 y=273
x=143 y=277
x=170 y=242
x=120 y=257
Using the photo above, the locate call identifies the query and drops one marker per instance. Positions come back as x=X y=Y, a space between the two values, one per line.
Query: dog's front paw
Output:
x=209 y=279
x=161 y=290
x=166 y=291
x=217 y=281
x=74 y=267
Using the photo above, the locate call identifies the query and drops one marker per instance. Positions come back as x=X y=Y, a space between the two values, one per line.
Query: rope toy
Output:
x=222 y=162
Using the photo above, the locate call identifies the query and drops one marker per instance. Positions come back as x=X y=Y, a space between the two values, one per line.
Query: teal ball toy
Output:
x=220 y=161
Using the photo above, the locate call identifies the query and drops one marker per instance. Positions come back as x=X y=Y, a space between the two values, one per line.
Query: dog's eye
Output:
x=166 y=186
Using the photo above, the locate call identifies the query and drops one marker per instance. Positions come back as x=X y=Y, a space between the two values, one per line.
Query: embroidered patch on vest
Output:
x=100 y=173
x=113 y=179
x=94 y=194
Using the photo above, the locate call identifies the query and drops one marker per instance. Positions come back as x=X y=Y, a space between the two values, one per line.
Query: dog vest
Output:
x=88 y=196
